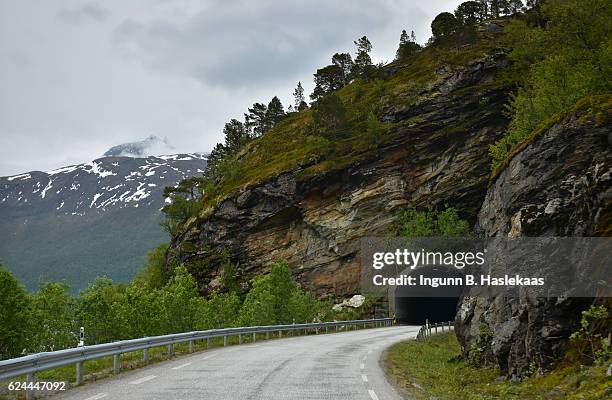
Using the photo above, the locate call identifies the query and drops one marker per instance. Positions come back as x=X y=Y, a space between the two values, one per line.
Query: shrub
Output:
x=413 y=223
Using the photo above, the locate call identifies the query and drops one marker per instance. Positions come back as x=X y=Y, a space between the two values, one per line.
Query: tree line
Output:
x=50 y=318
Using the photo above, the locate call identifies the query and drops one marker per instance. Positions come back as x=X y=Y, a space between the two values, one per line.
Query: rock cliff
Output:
x=315 y=222
x=558 y=184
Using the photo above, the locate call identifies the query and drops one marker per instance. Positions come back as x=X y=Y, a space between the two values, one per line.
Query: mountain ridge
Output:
x=67 y=223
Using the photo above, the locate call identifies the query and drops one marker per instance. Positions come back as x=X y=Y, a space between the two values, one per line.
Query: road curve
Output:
x=339 y=366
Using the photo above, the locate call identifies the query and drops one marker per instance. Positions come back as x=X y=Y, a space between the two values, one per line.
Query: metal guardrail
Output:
x=31 y=364
x=432 y=329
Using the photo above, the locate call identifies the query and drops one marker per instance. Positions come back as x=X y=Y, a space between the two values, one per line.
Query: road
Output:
x=339 y=366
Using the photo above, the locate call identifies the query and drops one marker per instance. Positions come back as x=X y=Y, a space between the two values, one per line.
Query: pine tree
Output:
x=444 y=25
x=298 y=95
x=235 y=135
x=402 y=42
x=363 y=61
x=255 y=119
x=345 y=62
x=470 y=12
x=327 y=79
x=275 y=113
x=407 y=46
x=511 y=7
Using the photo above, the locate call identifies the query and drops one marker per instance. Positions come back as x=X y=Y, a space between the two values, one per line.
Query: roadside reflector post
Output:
x=79 y=372
x=30 y=393
x=116 y=363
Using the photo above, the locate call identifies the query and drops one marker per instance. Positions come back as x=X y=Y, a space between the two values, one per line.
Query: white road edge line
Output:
x=98 y=396
x=182 y=366
x=364 y=377
x=141 y=380
x=210 y=356
x=373 y=395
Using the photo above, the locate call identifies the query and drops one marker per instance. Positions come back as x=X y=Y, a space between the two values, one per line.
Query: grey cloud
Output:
x=89 y=11
x=79 y=77
x=234 y=45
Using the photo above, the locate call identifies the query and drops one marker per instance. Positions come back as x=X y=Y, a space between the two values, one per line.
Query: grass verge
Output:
x=424 y=370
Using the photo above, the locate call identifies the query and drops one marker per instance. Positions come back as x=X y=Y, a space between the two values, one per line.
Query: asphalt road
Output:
x=339 y=366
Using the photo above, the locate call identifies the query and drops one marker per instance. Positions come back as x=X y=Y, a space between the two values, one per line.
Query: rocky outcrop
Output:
x=560 y=184
x=315 y=223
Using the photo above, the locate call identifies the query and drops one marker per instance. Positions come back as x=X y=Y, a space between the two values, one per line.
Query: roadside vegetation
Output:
x=431 y=369
x=562 y=53
x=50 y=318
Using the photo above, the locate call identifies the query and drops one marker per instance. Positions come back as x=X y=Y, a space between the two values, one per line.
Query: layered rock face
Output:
x=558 y=185
x=316 y=223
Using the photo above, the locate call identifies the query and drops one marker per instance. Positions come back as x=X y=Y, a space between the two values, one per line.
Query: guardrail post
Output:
x=145 y=356
x=316 y=331
x=224 y=341
x=208 y=343
x=171 y=349
x=191 y=346
x=268 y=335
x=254 y=337
x=79 y=372
x=116 y=363
x=240 y=338
x=30 y=393
x=449 y=325
x=326 y=329
x=280 y=334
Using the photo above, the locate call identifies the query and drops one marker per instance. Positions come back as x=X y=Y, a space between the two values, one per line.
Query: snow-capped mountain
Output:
x=150 y=146
x=82 y=221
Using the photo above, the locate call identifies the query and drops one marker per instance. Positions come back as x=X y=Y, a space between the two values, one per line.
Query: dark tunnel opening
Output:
x=416 y=305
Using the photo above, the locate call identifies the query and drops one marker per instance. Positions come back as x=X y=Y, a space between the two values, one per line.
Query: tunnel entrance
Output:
x=415 y=305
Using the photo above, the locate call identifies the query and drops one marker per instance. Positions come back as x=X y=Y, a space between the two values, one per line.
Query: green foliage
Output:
x=152 y=275
x=591 y=338
x=274 y=299
x=98 y=310
x=417 y=367
x=471 y=12
x=300 y=100
x=444 y=25
x=413 y=223
x=220 y=311
x=563 y=62
x=180 y=302
x=363 y=62
x=14 y=317
x=50 y=319
x=327 y=80
x=228 y=274
x=407 y=46
x=330 y=115
x=51 y=313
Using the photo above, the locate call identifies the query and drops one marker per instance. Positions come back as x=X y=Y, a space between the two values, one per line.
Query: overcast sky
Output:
x=77 y=77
